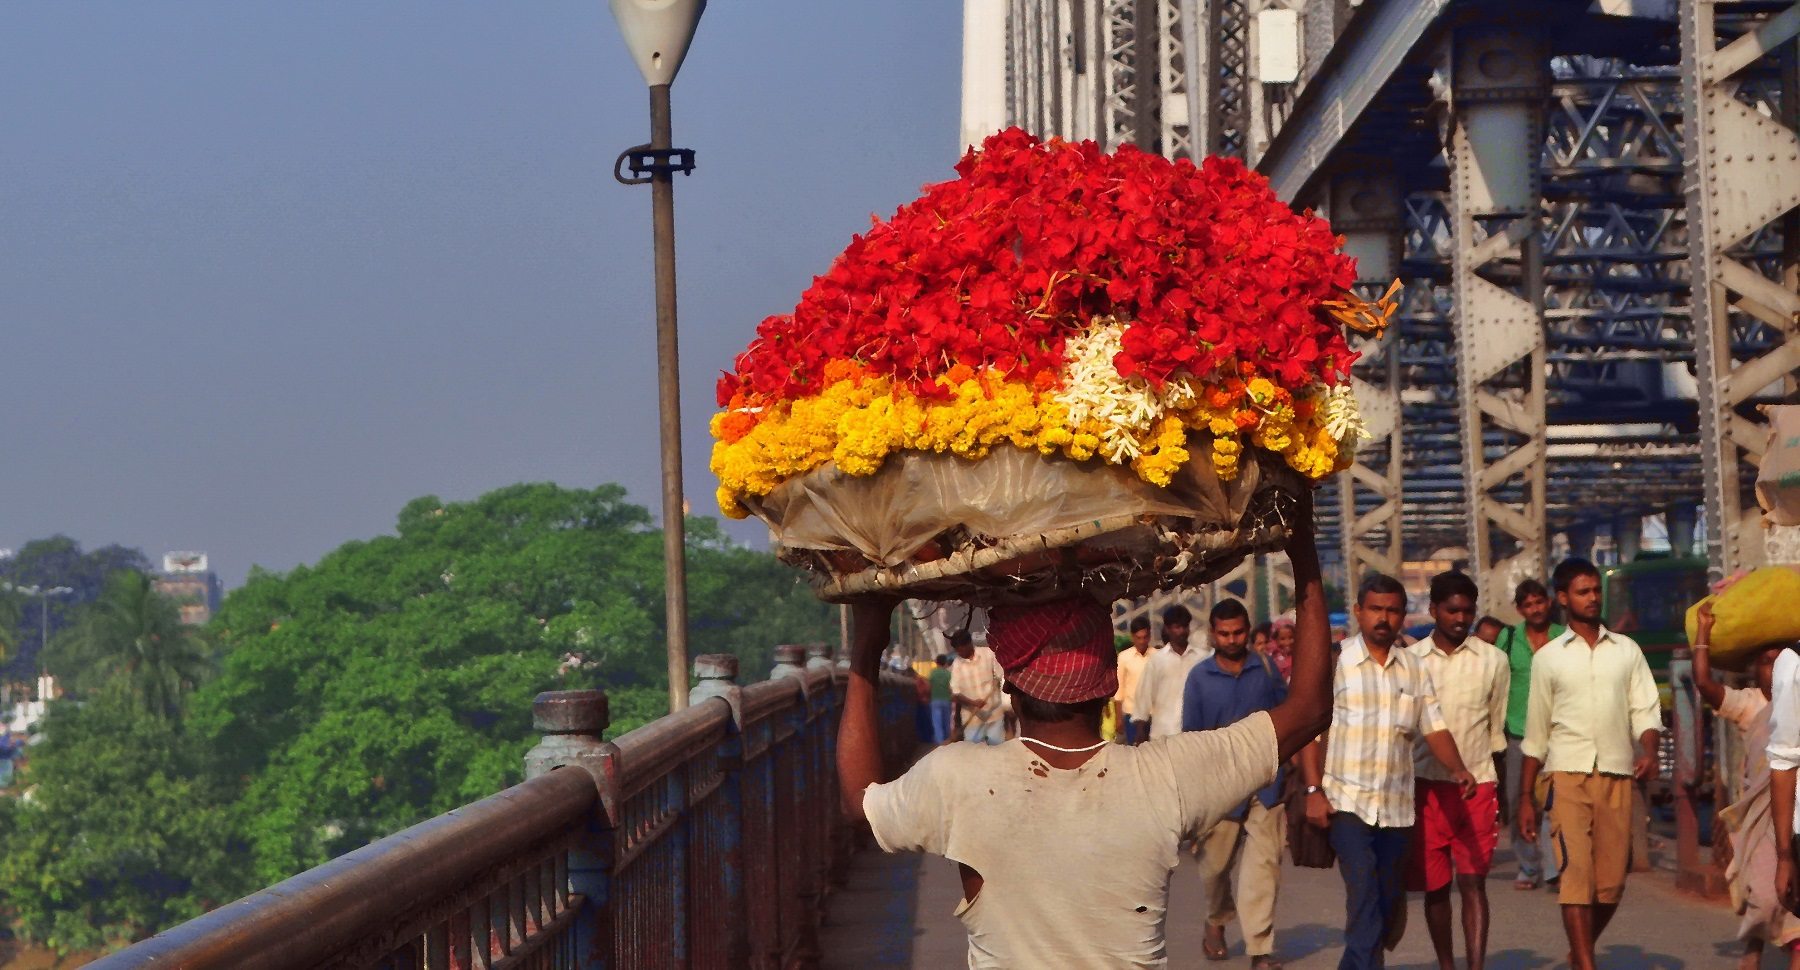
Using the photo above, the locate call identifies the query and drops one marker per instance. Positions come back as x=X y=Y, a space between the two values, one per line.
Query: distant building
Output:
x=187 y=579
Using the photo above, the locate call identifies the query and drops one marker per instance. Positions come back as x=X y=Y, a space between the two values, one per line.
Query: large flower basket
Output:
x=1065 y=371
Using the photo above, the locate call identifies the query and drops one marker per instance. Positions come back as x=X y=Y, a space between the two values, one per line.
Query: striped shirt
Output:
x=1377 y=712
x=1472 y=690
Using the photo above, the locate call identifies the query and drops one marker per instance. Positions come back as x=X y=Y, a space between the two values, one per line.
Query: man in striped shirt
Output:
x=1361 y=785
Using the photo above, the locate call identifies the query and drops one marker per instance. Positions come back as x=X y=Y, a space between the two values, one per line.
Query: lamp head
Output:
x=658 y=33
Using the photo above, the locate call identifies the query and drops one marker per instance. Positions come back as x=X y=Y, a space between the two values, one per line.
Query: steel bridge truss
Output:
x=1555 y=365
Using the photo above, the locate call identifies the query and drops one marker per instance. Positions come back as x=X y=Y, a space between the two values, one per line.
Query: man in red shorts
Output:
x=1455 y=833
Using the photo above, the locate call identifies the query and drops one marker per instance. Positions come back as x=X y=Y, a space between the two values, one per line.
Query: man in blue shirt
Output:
x=1225 y=688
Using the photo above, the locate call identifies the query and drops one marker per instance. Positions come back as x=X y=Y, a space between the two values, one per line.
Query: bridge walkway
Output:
x=895 y=913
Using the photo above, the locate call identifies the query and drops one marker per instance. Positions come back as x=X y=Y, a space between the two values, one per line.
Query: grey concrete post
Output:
x=572 y=722
x=790 y=661
x=818 y=656
x=717 y=675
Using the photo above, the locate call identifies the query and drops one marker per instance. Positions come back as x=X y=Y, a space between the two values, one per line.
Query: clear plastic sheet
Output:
x=1018 y=526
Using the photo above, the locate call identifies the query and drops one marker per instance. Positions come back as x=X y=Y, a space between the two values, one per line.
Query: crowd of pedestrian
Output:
x=1543 y=730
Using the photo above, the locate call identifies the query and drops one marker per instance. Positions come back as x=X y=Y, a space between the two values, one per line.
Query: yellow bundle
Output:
x=1762 y=609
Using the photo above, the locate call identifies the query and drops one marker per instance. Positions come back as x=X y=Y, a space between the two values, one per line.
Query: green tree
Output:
x=131 y=640
x=123 y=832
x=392 y=680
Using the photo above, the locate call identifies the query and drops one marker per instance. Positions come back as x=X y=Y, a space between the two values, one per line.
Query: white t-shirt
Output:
x=1160 y=687
x=1075 y=863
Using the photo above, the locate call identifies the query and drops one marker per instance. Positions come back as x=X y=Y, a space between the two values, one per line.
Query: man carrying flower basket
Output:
x=1066 y=843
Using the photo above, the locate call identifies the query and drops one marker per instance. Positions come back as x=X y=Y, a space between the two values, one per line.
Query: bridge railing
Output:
x=706 y=838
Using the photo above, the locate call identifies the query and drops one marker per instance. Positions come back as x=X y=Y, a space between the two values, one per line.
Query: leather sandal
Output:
x=1214 y=949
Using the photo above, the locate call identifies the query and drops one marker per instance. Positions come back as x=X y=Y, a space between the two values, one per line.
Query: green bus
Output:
x=1647 y=599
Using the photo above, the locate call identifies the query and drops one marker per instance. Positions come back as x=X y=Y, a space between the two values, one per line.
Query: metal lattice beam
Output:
x=1743 y=175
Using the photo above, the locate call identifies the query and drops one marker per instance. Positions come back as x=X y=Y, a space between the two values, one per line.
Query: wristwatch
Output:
x=1312 y=789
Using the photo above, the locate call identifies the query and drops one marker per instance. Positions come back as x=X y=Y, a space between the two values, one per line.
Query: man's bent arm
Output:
x=1307 y=711
x=859 y=731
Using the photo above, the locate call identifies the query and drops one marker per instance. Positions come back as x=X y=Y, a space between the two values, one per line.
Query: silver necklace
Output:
x=1097 y=745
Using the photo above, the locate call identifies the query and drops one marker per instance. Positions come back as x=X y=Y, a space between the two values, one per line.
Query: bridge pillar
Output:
x=572 y=722
x=1499 y=81
x=1365 y=207
x=1628 y=535
x=1681 y=520
x=1581 y=544
x=1742 y=174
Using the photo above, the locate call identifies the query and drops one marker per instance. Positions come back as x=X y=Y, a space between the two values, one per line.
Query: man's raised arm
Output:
x=1307 y=711
x=859 y=731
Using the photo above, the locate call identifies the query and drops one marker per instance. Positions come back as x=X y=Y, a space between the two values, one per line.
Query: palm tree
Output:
x=131 y=639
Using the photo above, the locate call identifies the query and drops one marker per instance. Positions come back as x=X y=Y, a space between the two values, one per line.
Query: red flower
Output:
x=1032 y=241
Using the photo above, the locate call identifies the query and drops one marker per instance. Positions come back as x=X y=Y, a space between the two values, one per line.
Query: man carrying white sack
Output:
x=1066 y=843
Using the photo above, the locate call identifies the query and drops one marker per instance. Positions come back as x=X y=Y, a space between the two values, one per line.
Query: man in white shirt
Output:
x=1784 y=760
x=1453 y=832
x=1131 y=670
x=975 y=683
x=1157 y=702
x=1592 y=695
x=1066 y=842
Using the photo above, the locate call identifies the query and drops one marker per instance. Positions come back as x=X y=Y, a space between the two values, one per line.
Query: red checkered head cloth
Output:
x=1061 y=651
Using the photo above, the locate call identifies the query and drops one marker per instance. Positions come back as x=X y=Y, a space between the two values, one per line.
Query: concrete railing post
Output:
x=572 y=722
x=716 y=675
x=790 y=661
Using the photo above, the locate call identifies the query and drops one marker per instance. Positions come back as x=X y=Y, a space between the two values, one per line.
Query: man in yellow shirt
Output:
x=1592 y=695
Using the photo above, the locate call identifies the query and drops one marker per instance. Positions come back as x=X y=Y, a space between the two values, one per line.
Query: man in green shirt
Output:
x=1537 y=863
x=940 y=699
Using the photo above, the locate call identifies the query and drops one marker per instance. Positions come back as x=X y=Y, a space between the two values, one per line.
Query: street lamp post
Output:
x=43 y=593
x=658 y=33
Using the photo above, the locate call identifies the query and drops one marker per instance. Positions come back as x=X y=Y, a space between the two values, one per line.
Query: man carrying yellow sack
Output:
x=1749 y=819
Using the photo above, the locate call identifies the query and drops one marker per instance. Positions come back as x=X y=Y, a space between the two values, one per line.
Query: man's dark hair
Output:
x=1528 y=589
x=959 y=638
x=1228 y=609
x=943 y=660
x=1177 y=614
x=1453 y=583
x=1263 y=629
x=1379 y=584
x=1488 y=620
x=1568 y=569
x=1030 y=708
x=1141 y=623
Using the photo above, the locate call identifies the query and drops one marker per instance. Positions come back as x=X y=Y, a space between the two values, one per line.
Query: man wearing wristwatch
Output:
x=1361 y=785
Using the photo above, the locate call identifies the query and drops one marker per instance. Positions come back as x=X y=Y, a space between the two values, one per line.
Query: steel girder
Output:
x=1743 y=175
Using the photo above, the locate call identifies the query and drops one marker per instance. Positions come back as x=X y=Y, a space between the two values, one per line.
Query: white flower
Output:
x=1338 y=411
x=1126 y=408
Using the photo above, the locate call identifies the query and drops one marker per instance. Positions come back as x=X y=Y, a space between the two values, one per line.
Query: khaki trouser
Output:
x=1253 y=846
x=1590 y=828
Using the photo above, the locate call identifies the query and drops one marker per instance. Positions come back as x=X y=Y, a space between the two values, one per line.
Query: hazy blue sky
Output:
x=270 y=270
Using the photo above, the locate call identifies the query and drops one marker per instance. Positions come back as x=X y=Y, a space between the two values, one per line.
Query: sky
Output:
x=269 y=271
